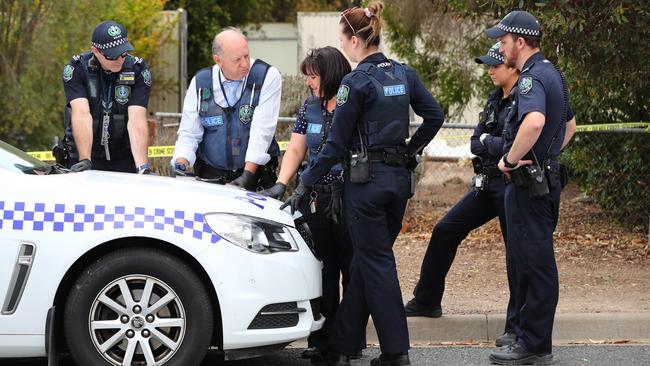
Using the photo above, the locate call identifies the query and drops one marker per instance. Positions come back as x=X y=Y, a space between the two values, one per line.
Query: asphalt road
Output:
x=582 y=355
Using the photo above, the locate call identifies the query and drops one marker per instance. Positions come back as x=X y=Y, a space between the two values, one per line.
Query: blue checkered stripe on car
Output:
x=62 y=217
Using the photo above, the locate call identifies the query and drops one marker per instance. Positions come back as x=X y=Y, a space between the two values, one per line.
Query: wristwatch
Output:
x=144 y=169
x=508 y=164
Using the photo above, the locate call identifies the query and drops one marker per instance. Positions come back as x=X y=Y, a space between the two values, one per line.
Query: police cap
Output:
x=110 y=38
x=518 y=22
x=493 y=56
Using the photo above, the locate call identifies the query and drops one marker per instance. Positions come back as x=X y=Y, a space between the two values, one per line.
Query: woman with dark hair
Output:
x=370 y=128
x=324 y=69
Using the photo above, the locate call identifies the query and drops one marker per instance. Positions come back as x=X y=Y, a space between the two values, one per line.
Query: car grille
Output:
x=272 y=321
x=315 y=308
x=305 y=233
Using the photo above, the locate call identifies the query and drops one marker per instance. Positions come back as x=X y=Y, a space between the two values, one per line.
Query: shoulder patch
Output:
x=342 y=95
x=146 y=76
x=525 y=84
x=68 y=71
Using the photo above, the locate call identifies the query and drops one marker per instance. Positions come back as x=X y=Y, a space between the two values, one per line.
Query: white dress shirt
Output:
x=265 y=118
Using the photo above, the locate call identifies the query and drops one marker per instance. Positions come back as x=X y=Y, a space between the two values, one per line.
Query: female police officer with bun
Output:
x=324 y=68
x=478 y=206
x=369 y=130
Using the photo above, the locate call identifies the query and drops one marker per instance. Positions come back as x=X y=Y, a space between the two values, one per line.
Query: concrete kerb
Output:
x=479 y=328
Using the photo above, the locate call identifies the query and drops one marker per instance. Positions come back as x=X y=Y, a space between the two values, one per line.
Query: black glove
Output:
x=296 y=197
x=82 y=165
x=413 y=161
x=334 y=210
x=246 y=180
x=277 y=191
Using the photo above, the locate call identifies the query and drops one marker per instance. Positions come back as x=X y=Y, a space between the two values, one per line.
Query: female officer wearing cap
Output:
x=480 y=205
x=369 y=131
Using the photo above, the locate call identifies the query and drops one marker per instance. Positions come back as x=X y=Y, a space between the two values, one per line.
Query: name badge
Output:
x=393 y=90
x=314 y=128
x=212 y=121
x=127 y=78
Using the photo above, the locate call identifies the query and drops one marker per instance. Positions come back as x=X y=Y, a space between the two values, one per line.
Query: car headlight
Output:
x=252 y=233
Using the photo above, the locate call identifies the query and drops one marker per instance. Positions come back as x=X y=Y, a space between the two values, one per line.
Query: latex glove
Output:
x=296 y=197
x=277 y=191
x=246 y=180
x=334 y=209
x=82 y=165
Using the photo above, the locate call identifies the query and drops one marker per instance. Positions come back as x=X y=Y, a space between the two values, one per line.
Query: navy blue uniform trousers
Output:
x=531 y=222
x=333 y=246
x=374 y=212
x=473 y=210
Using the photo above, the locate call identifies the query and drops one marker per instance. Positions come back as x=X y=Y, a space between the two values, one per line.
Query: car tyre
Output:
x=138 y=304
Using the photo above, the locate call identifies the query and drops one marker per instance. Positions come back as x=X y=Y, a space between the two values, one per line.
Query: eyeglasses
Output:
x=116 y=57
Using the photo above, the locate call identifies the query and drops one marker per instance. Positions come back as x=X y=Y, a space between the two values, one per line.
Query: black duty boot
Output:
x=397 y=359
x=507 y=338
x=330 y=359
x=310 y=352
x=415 y=308
x=516 y=354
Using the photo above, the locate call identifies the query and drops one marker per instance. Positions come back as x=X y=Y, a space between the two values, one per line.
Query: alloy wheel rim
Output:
x=137 y=320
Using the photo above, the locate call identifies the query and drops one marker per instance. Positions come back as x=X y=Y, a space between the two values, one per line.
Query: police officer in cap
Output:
x=480 y=205
x=369 y=130
x=107 y=93
x=229 y=117
x=543 y=125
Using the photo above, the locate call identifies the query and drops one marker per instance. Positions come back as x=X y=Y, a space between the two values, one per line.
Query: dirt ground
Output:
x=603 y=266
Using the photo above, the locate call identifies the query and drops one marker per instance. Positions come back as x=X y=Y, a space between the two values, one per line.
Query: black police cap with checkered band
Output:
x=110 y=38
x=517 y=22
x=493 y=56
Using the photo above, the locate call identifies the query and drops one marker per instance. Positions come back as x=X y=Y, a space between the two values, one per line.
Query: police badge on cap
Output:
x=110 y=38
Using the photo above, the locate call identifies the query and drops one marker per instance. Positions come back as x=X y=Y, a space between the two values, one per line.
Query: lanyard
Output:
x=107 y=105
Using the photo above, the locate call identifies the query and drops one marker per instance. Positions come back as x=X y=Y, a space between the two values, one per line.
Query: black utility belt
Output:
x=389 y=157
x=205 y=170
x=492 y=171
x=326 y=188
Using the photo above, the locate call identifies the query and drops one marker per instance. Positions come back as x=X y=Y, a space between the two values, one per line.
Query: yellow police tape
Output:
x=168 y=151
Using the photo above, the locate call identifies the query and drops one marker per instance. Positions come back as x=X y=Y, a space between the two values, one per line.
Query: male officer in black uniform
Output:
x=532 y=199
x=480 y=205
x=107 y=93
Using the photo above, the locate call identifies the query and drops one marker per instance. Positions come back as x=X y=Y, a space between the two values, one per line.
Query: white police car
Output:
x=125 y=269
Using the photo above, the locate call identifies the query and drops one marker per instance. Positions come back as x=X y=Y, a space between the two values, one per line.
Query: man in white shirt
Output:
x=229 y=117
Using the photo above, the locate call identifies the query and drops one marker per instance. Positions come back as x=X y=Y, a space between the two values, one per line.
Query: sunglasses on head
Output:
x=124 y=54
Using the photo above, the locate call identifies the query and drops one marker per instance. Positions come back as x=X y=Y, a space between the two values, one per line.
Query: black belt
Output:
x=205 y=170
x=390 y=158
x=492 y=171
x=325 y=188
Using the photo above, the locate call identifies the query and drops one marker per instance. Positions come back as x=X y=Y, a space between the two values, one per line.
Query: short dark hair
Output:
x=532 y=42
x=328 y=63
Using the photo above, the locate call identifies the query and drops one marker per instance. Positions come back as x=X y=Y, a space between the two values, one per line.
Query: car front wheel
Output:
x=138 y=306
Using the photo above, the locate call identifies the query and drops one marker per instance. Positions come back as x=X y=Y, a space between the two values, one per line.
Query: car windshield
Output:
x=15 y=160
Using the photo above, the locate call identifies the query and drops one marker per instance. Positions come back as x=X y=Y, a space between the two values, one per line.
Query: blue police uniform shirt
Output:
x=361 y=94
x=75 y=85
x=491 y=149
x=540 y=89
x=301 y=128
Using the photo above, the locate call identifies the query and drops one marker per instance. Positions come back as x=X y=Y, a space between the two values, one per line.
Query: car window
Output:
x=15 y=160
